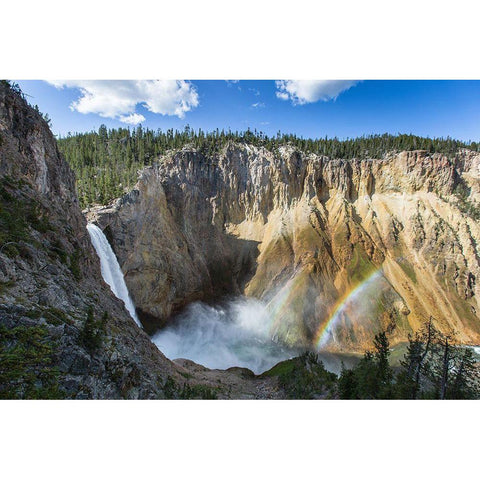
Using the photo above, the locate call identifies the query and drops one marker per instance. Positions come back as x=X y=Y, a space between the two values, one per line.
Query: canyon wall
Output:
x=346 y=247
x=50 y=278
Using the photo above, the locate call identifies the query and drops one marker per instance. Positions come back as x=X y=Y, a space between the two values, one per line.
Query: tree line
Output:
x=435 y=366
x=106 y=161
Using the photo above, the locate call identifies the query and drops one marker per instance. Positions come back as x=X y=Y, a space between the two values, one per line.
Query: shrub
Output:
x=27 y=368
x=75 y=265
x=93 y=331
x=304 y=377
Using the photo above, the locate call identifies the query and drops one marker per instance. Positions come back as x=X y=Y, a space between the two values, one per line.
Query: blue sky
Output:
x=306 y=108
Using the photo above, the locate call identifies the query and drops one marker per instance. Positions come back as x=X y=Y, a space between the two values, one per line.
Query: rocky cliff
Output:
x=338 y=249
x=50 y=278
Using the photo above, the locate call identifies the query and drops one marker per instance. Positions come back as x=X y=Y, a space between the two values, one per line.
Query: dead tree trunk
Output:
x=428 y=342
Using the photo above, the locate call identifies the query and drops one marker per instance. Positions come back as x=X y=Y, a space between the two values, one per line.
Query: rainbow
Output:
x=325 y=330
x=281 y=301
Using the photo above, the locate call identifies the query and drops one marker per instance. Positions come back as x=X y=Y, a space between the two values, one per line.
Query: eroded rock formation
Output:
x=303 y=232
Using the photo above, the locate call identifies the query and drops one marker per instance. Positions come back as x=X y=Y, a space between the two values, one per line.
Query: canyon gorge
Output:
x=246 y=257
x=336 y=249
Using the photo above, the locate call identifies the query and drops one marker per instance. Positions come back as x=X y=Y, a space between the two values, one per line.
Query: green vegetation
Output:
x=72 y=261
x=106 y=162
x=6 y=285
x=57 y=250
x=304 y=377
x=27 y=368
x=372 y=377
x=173 y=391
x=18 y=214
x=52 y=315
x=93 y=331
x=467 y=207
x=283 y=368
x=14 y=87
x=55 y=316
x=433 y=367
x=170 y=388
x=407 y=268
x=200 y=392
x=75 y=265
x=360 y=266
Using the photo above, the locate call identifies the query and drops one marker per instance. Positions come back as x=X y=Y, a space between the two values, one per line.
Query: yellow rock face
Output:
x=338 y=249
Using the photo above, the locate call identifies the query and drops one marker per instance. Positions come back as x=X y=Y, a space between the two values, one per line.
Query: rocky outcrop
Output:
x=339 y=249
x=50 y=277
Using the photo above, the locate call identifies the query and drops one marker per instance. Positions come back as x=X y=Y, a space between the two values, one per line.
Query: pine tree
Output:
x=124 y=151
x=415 y=362
x=93 y=332
x=465 y=383
x=384 y=372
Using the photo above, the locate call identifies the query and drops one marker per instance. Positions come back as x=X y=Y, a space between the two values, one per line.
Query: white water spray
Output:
x=234 y=334
x=111 y=272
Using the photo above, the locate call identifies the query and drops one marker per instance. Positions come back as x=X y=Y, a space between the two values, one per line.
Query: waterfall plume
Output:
x=111 y=271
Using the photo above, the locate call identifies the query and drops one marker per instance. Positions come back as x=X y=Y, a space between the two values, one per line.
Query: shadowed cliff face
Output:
x=336 y=249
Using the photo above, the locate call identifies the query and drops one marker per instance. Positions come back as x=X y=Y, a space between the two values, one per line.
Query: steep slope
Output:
x=50 y=278
x=339 y=249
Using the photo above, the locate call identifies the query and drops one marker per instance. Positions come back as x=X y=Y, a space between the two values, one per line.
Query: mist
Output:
x=235 y=334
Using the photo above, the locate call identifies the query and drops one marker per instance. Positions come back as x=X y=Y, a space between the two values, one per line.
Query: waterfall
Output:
x=111 y=272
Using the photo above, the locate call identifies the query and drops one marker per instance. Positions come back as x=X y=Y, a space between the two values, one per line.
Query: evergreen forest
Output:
x=107 y=161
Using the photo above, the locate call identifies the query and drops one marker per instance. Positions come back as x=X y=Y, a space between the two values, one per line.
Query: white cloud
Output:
x=258 y=105
x=310 y=91
x=231 y=83
x=283 y=95
x=133 y=119
x=118 y=98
